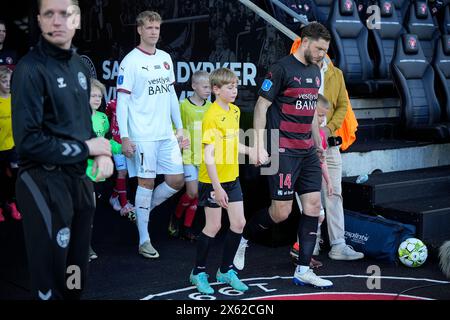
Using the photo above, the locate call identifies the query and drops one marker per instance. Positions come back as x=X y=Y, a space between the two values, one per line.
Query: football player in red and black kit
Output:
x=287 y=102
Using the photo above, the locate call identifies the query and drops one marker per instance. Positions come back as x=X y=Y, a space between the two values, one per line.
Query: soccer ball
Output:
x=412 y=252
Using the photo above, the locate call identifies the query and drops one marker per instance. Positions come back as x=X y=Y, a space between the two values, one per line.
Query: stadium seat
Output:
x=401 y=8
x=385 y=37
x=414 y=79
x=323 y=8
x=349 y=41
x=441 y=64
x=445 y=25
x=421 y=23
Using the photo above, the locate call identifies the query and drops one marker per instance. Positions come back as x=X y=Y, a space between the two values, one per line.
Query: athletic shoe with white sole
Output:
x=344 y=252
x=239 y=257
x=146 y=249
x=309 y=278
x=115 y=203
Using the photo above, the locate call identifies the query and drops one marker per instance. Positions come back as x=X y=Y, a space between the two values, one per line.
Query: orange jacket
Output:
x=340 y=120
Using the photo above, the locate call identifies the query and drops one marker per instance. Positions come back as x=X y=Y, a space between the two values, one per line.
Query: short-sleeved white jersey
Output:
x=148 y=78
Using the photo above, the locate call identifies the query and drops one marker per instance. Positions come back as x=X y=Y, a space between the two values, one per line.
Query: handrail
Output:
x=289 y=11
x=291 y=35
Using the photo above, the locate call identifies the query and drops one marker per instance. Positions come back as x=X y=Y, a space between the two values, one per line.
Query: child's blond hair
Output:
x=221 y=77
x=323 y=101
x=197 y=76
x=97 y=84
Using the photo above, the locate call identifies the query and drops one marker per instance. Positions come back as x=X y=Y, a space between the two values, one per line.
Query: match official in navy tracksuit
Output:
x=53 y=134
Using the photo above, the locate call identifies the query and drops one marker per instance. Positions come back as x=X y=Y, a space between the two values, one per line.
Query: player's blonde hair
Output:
x=4 y=71
x=149 y=16
x=221 y=77
x=97 y=84
x=199 y=76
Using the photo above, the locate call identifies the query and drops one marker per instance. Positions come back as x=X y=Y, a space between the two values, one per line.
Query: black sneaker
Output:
x=189 y=235
x=174 y=227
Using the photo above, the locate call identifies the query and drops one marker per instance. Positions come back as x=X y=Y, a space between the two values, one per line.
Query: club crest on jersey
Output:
x=9 y=60
x=267 y=85
x=318 y=82
x=120 y=80
x=82 y=80
x=63 y=237
x=167 y=65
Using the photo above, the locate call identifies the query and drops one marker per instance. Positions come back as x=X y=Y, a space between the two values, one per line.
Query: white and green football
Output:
x=412 y=252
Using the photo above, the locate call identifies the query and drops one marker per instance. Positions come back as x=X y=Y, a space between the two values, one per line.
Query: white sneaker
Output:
x=115 y=203
x=239 y=257
x=316 y=251
x=126 y=209
x=344 y=252
x=309 y=278
x=147 y=250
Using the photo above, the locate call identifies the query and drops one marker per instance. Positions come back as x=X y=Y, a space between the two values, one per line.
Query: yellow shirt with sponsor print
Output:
x=221 y=128
x=192 y=118
x=6 y=135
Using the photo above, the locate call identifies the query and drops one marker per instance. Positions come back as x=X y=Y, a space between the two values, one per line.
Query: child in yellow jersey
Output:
x=8 y=155
x=192 y=111
x=219 y=185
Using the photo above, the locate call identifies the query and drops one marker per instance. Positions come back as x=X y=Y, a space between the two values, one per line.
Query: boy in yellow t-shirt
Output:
x=8 y=156
x=219 y=185
x=192 y=111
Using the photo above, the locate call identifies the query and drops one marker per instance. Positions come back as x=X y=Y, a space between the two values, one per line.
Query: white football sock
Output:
x=162 y=192
x=143 y=203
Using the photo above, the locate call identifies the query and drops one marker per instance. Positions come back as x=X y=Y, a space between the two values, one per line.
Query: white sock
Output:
x=243 y=241
x=302 y=269
x=161 y=194
x=142 y=203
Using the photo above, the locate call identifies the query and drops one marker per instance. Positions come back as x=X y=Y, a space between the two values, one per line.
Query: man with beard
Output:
x=287 y=99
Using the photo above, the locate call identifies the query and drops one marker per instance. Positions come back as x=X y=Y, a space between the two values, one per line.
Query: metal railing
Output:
x=290 y=12
x=274 y=22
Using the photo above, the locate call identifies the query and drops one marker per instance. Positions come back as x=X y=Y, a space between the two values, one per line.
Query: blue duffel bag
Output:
x=377 y=237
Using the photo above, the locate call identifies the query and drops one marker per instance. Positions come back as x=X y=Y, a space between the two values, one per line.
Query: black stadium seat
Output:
x=323 y=8
x=386 y=36
x=421 y=23
x=445 y=26
x=401 y=8
x=414 y=79
x=441 y=64
x=349 y=43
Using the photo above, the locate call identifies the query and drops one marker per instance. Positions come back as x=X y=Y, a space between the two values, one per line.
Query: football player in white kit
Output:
x=146 y=107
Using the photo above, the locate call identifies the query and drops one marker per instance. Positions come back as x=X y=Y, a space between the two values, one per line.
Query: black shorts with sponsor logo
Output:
x=206 y=193
x=296 y=174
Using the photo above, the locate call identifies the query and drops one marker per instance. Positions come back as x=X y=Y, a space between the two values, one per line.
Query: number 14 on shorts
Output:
x=285 y=180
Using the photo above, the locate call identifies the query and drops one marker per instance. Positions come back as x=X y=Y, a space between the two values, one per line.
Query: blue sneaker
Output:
x=232 y=279
x=201 y=282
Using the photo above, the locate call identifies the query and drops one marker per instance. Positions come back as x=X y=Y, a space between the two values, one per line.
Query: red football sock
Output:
x=190 y=213
x=121 y=190
x=185 y=201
